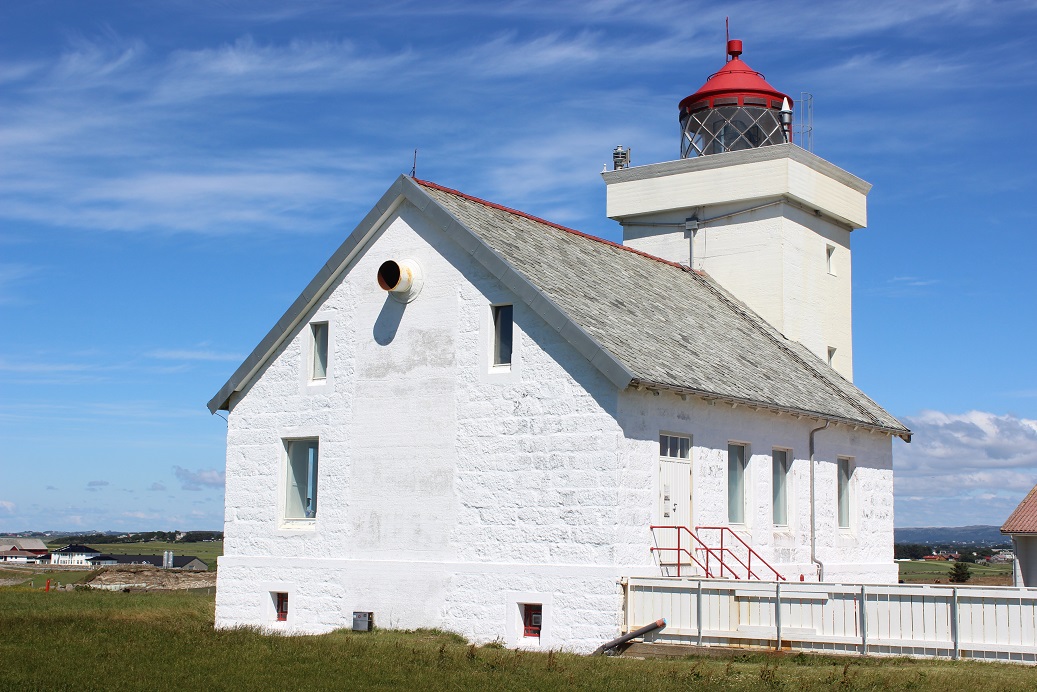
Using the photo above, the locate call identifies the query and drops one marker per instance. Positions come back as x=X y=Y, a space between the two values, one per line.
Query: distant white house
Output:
x=482 y=421
x=73 y=555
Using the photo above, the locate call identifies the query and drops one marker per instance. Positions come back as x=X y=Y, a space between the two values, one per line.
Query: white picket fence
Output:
x=990 y=623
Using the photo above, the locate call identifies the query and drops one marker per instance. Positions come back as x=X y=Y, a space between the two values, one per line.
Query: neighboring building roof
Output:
x=31 y=544
x=1024 y=518
x=75 y=549
x=640 y=320
x=155 y=560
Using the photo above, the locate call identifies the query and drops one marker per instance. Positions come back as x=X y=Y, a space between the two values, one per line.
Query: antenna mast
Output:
x=414 y=167
x=727 y=37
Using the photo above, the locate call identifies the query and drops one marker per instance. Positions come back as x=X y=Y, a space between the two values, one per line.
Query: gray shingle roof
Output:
x=639 y=319
x=671 y=327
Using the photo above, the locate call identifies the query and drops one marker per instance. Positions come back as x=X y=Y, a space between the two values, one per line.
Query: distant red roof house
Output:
x=1024 y=518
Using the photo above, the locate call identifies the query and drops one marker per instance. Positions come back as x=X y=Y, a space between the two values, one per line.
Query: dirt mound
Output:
x=147 y=577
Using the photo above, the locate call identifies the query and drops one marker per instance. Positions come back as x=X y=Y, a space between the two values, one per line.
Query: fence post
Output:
x=863 y=608
x=777 y=612
x=954 y=623
x=698 y=612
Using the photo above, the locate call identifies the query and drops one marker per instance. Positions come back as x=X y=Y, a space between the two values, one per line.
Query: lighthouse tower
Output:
x=766 y=219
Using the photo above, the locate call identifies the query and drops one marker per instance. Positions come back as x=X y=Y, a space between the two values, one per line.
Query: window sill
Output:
x=298 y=525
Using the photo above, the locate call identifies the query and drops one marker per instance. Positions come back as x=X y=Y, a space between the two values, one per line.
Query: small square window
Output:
x=280 y=606
x=830 y=258
x=532 y=619
x=320 y=350
x=301 y=500
x=503 y=330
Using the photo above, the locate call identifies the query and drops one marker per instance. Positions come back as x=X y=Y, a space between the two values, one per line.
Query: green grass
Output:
x=118 y=641
x=929 y=571
x=207 y=551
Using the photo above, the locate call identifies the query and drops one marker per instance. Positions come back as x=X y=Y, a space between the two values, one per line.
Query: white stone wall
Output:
x=430 y=462
x=774 y=259
x=449 y=491
x=863 y=552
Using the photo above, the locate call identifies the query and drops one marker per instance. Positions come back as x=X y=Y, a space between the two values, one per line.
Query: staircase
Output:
x=714 y=552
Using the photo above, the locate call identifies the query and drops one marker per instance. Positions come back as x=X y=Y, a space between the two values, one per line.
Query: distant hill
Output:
x=949 y=535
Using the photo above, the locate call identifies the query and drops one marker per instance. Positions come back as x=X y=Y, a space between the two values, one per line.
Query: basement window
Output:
x=319 y=331
x=280 y=606
x=532 y=619
x=301 y=500
x=829 y=258
x=503 y=330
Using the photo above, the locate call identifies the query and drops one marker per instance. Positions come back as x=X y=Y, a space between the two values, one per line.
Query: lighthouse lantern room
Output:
x=735 y=109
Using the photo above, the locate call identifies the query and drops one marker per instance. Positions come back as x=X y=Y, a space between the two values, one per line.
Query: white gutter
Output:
x=813 y=509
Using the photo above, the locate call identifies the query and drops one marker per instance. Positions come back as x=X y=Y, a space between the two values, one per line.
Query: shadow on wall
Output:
x=388 y=322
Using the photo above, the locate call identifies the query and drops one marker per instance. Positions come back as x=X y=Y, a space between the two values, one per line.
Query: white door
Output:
x=674 y=509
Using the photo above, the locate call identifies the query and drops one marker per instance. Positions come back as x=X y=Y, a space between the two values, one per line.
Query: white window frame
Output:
x=268 y=595
x=513 y=625
x=786 y=478
x=746 y=459
x=844 y=493
x=678 y=436
x=308 y=384
x=285 y=485
x=315 y=327
x=831 y=356
x=504 y=373
x=830 y=258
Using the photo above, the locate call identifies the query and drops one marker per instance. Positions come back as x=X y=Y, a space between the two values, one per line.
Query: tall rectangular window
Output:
x=845 y=472
x=779 y=482
x=831 y=356
x=830 y=258
x=736 y=484
x=301 y=502
x=503 y=328
x=320 y=350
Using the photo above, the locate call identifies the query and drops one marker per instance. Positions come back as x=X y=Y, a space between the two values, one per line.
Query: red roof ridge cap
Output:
x=552 y=224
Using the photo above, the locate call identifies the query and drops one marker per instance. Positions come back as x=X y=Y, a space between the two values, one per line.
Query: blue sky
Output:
x=173 y=173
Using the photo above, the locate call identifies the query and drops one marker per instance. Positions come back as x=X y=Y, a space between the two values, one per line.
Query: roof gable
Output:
x=639 y=319
x=1024 y=518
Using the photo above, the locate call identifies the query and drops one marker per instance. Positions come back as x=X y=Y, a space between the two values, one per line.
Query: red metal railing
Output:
x=697 y=545
x=746 y=564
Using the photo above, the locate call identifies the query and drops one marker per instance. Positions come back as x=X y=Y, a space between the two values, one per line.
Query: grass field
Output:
x=206 y=551
x=932 y=572
x=119 y=641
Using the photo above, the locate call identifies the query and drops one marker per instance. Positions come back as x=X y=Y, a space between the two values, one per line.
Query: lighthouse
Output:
x=767 y=220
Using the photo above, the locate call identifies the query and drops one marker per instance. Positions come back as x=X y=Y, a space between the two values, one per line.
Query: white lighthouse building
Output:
x=482 y=421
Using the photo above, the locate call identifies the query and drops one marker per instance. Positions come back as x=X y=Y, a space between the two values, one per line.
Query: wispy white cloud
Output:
x=194 y=354
x=11 y=277
x=7 y=506
x=964 y=468
x=201 y=478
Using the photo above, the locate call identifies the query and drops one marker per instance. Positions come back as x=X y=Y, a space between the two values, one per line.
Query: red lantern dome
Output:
x=735 y=109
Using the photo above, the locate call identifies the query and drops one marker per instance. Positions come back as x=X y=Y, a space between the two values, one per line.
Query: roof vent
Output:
x=402 y=280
